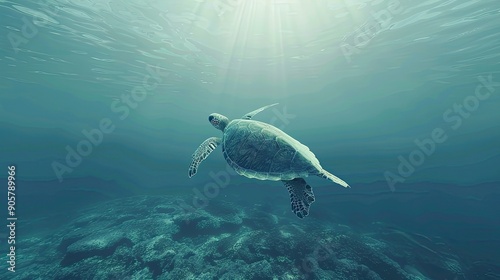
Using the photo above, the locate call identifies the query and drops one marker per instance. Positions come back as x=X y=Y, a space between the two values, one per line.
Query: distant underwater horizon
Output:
x=227 y=139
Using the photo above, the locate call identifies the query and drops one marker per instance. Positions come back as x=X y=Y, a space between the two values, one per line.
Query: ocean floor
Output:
x=153 y=237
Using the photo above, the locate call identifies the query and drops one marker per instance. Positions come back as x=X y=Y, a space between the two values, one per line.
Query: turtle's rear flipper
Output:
x=202 y=153
x=301 y=196
x=329 y=176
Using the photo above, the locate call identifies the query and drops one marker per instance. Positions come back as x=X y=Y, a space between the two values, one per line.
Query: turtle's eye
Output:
x=210 y=118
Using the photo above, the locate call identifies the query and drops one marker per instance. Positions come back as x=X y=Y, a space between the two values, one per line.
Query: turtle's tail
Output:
x=329 y=176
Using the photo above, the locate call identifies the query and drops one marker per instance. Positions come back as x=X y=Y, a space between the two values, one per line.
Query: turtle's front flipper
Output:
x=329 y=176
x=301 y=196
x=253 y=113
x=202 y=153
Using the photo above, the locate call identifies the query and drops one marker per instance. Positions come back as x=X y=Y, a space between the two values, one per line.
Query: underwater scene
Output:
x=250 y=139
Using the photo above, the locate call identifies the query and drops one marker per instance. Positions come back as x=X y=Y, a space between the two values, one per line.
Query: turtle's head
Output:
x=218 y=121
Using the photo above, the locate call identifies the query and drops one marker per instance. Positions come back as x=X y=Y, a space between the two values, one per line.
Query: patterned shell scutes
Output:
x=259 y=150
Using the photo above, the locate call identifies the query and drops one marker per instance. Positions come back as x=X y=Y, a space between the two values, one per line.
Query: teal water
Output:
x=106 y=100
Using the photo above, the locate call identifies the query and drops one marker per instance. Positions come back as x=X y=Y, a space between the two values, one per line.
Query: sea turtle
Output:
x=259 y=150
